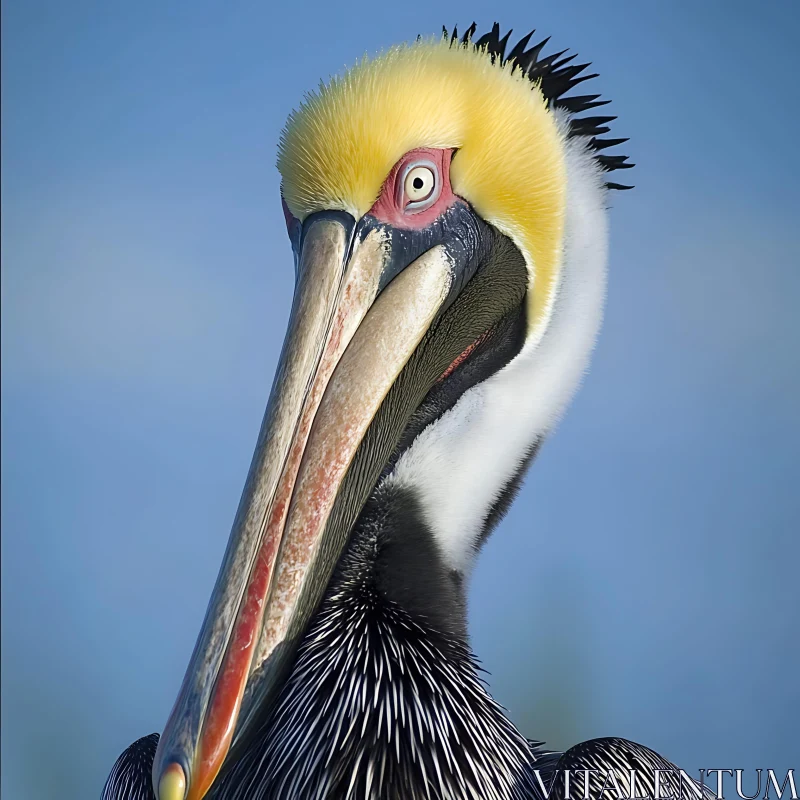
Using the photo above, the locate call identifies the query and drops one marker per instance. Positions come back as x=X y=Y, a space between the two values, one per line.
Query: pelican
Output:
x=446 y=204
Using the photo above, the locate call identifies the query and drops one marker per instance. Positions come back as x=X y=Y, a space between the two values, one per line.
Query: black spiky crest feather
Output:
x=556 y=77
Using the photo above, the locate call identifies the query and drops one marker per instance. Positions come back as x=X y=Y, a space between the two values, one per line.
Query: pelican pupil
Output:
x=418 y=183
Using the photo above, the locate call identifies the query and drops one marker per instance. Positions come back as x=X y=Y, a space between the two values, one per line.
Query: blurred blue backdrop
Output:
x=645 y=584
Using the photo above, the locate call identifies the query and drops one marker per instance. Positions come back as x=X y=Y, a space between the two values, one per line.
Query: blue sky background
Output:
x=646 y=582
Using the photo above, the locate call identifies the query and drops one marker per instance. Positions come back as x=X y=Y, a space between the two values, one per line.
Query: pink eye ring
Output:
x=417 y=190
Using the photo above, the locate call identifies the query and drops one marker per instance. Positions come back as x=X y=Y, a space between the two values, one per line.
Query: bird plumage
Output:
x=383 y=698
x=131 y=776
x=384 y=701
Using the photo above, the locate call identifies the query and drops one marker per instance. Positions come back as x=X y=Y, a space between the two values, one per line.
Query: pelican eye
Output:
x=420 y=183
x=420 y=188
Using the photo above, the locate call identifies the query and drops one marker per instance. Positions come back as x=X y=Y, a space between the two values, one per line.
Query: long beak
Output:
x=348 y=340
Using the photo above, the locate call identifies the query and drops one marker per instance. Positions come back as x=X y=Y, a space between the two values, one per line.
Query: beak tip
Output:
x=172 y=784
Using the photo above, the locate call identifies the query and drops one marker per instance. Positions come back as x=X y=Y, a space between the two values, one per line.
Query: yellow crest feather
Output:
x=339 y=146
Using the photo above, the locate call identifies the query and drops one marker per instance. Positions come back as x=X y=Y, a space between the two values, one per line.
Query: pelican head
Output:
x=446 y=207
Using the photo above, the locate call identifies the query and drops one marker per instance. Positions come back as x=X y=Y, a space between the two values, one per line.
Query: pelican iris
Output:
x=446 y=204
